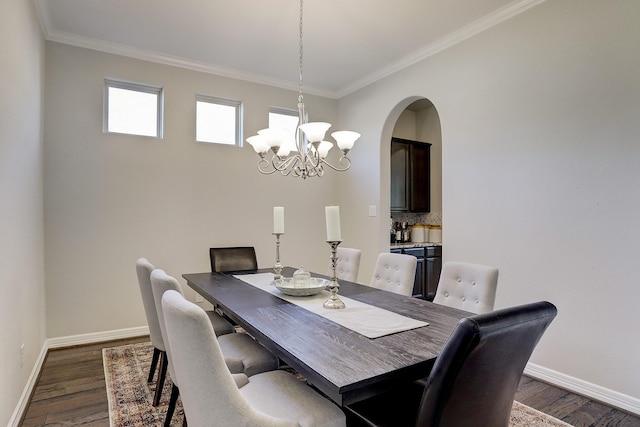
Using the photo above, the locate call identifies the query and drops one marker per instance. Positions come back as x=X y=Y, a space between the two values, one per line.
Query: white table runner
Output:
x=365 y=319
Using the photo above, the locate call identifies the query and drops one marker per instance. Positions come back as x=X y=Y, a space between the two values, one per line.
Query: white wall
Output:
x=540 y=172
x=539 y=128
x=21 y=213
x=405 y=126
x=429 y=130
x=110 y=199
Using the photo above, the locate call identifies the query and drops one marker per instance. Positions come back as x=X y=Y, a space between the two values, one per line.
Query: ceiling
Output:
x=347 y=43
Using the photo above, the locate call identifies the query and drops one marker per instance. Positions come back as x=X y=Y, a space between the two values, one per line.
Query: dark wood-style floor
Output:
x=71 y=392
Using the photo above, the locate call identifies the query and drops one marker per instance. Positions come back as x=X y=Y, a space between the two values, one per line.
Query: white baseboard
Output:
x=14 y=421
x=584 y=388
x=66 y=342
x=576 y=385
x=95 y=337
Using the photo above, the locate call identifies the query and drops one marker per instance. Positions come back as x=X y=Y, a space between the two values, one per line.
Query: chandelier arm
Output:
x=299 y=172
x=313 y=158
x=280 y=164
x=317 y=171
x=344 y=160
x=276 y=164
x=263 y=164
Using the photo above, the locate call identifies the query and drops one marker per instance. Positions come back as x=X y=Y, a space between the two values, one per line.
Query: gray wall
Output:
x=110 y=198
x=540 y=173
x=22 y=314
x=539 y=177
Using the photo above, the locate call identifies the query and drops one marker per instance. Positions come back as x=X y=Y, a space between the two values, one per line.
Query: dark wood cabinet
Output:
x=427 y=269
x=399 y=176
x=410 y=176
x=433 y=267
x=418 y=284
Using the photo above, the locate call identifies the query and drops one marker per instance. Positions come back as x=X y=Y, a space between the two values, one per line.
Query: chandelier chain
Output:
x=305 y=156
x=300 y=61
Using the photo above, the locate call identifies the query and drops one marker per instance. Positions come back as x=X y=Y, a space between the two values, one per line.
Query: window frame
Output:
x=286 y=112
x=137 y=87
x=228 y=102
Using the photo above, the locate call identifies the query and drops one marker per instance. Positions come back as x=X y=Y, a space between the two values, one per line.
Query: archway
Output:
x=414 y=118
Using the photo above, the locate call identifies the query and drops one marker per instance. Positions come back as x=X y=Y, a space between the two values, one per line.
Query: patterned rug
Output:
x=130 y=396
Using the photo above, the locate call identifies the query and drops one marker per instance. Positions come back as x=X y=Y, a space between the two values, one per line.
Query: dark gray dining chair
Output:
x=233 y=259
x=474 y=380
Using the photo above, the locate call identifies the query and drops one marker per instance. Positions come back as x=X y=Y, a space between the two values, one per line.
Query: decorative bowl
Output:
x=312 y=287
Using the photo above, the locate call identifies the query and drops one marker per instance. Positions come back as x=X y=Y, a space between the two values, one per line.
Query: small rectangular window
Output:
x=132 y=108
x=284 y=118
x=218 y=120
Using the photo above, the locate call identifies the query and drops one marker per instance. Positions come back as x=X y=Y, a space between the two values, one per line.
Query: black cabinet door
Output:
x=410 y=176
x=420 y=197
x=399 y=176
x=419 y=284
x=433 y=267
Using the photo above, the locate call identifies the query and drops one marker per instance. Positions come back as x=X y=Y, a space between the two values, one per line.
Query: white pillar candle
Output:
x=278 y=220
x=333 y=223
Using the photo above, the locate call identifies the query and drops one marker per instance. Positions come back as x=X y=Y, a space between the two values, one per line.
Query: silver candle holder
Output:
x=277 y=267
x=334 y=301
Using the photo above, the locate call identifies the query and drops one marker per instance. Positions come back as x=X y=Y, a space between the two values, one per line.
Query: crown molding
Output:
x=476 y=27
x=504 y=13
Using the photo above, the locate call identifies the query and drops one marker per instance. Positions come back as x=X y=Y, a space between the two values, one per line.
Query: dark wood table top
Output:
x=341 y=363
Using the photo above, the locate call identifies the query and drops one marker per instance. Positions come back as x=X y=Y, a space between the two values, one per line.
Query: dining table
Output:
x=344 y=365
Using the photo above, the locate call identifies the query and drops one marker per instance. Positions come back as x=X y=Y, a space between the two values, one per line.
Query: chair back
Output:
x=395 y=273
x=233 y=259
x=161 y=282
x=143 y=270
x=207 y=388
x=475 y=378
x=347 y=265
x=469 y=287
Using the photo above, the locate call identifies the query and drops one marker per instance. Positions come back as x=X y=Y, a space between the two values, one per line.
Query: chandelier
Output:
x=305 y=155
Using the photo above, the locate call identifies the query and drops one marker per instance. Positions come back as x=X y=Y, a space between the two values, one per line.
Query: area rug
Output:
x=130 y=396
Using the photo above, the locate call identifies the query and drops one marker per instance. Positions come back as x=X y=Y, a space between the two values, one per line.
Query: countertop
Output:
x=413 y=245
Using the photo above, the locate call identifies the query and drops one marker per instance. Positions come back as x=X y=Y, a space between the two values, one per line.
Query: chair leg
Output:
x=172 y=405
x=154 y=364
x=161 y=376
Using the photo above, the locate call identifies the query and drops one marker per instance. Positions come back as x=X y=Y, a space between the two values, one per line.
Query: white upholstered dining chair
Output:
x=220 y=325
x=143 y=271
x=469 y=287
x=347 y=265
x=395 y=273
x=270 y=399
x=242 y=354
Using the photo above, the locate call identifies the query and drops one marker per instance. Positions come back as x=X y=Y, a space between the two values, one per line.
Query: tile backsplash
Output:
x=431 y=218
